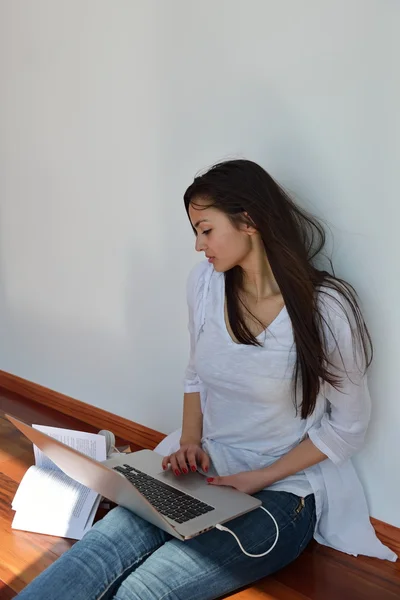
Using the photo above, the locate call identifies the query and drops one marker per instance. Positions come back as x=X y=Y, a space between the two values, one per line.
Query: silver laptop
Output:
x=184 y=506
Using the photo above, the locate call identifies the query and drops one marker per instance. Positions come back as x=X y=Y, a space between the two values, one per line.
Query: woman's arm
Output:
x=190 y=455
x=192 y=425
x=303 y=456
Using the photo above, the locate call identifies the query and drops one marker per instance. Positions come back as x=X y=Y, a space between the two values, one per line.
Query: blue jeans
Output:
x=126 y=558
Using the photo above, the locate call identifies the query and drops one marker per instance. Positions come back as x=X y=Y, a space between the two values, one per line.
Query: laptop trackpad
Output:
x=189 y=483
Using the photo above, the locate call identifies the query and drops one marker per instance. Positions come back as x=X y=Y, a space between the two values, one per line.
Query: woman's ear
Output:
x=249 y=225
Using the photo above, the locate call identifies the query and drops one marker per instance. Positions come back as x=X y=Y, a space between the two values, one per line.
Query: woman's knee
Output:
x=115 y=519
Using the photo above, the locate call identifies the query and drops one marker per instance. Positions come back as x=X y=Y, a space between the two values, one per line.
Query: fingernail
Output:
x=185 y=471
x=164 y=468
x=177 y=472
x=210 y=479
x=193 y=469
x=206 y=469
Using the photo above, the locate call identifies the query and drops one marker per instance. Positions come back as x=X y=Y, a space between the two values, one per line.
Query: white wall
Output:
x=107 y=110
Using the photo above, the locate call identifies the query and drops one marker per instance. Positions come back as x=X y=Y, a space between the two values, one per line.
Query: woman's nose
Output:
x=199 y=245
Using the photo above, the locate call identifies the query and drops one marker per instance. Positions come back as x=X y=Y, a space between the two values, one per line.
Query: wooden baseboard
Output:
x=388 y=534
x=121 y=427
x=129 y=430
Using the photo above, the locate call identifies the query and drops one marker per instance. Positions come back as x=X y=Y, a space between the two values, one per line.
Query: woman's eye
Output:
x=207 y=231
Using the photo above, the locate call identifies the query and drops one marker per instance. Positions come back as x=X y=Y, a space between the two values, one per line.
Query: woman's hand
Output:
x=248 y=482
x=188 y=457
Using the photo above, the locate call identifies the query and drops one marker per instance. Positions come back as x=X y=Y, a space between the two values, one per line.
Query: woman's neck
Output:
x=258 y=279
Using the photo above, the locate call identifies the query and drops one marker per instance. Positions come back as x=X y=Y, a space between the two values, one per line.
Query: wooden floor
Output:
x=319 y=574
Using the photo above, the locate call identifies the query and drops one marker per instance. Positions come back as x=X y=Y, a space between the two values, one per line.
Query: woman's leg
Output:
x=212 y=565
x=94 y=566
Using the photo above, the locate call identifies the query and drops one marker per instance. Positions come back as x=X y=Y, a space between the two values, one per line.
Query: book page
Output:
x=40 y=524
x=91 y=516
x=48 y=501
x=91 y=444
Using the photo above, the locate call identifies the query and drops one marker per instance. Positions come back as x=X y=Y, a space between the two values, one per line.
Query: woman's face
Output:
x=223 y=244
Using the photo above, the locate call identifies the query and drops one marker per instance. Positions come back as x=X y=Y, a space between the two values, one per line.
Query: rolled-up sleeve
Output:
x=194 y=294
x=342 y=429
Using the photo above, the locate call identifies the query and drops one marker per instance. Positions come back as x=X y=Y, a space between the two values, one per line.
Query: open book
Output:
x=47 y=500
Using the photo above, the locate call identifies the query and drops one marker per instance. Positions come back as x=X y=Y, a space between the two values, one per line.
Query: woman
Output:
x=276 y=402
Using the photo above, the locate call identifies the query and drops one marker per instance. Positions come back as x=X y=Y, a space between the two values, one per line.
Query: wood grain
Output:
x=268 y=589
x=6 y=593
x=388 y=534
x=329 y=576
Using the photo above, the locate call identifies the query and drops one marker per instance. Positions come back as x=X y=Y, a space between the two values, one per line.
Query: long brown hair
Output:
x=292 y=240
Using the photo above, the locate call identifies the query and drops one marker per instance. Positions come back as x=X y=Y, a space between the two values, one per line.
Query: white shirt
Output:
x=249 y=417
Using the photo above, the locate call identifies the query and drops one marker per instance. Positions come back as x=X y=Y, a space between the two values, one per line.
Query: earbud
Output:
x=110 y=441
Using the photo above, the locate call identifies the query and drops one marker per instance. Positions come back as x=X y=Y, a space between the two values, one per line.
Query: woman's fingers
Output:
x=174 y=464
x=204 y=461
x=191 y=459
x=178 y=463
x=181 y=459
x=187 y=459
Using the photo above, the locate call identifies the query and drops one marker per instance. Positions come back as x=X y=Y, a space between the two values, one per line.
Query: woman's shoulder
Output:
x=198 y=277
x=337 y=312
x=333 y=302
x=199 y=271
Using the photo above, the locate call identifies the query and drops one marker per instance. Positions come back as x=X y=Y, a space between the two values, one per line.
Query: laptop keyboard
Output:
x=169 y=501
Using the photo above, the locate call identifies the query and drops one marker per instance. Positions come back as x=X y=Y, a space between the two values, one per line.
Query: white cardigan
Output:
x=335 y=427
